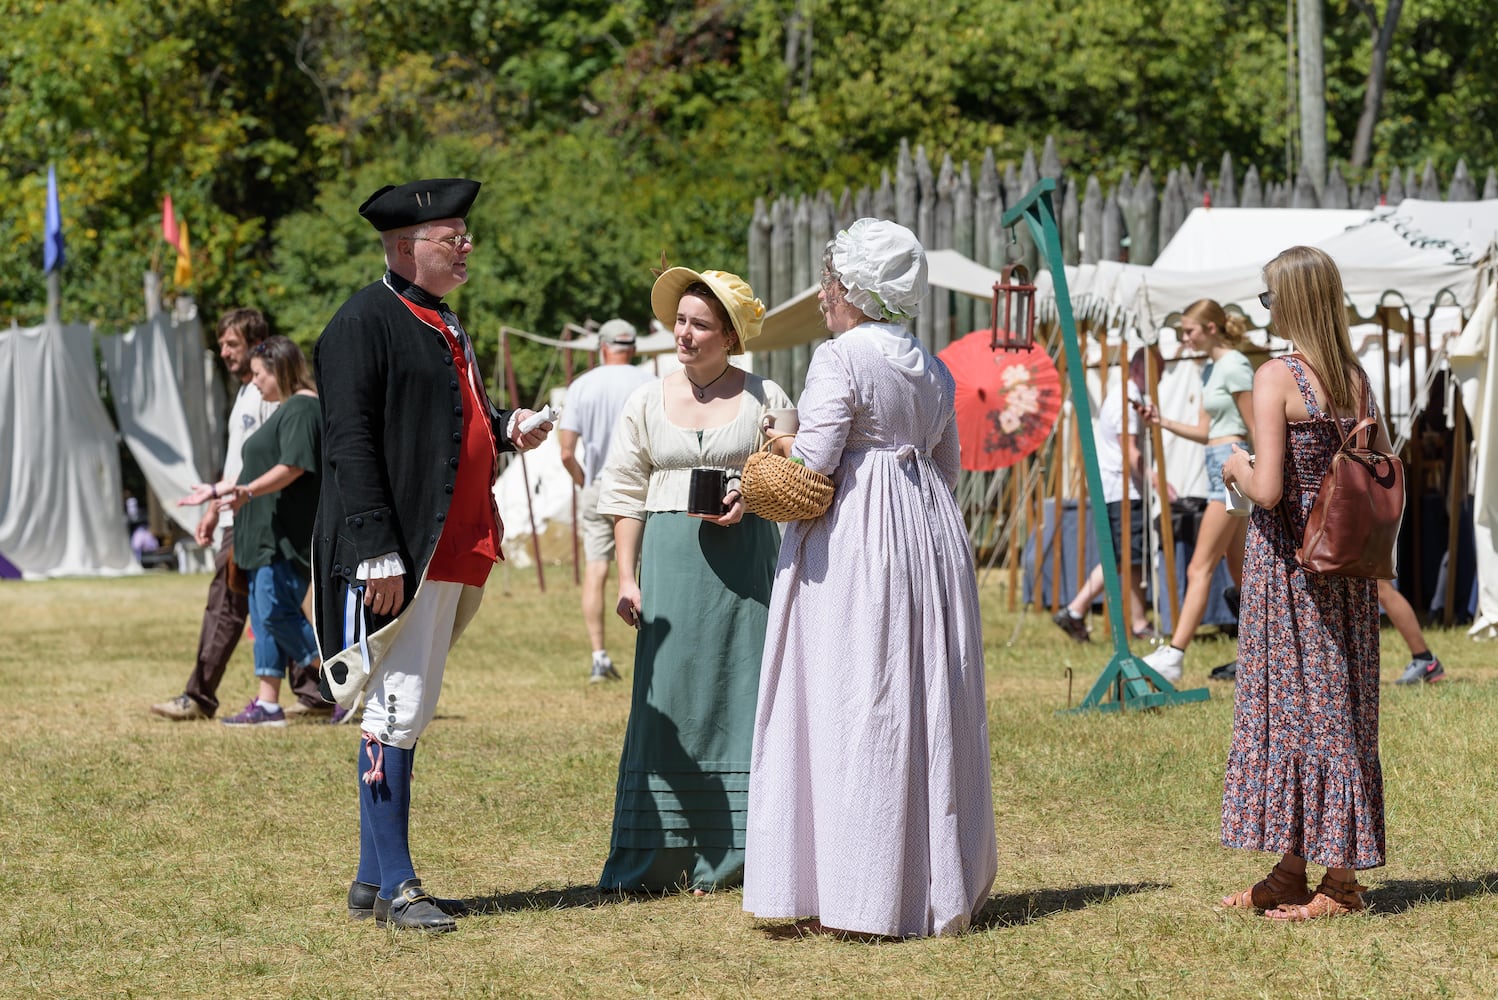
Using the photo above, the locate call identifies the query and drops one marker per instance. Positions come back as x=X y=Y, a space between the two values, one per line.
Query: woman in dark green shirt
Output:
x=274 y=504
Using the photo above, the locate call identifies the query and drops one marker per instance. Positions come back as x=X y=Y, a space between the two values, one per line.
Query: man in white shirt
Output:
x=1118 y=453
x=239 y=332
x=594 y=401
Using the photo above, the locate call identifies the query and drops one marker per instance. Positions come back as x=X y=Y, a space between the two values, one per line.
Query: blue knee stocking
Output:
x=385 y=817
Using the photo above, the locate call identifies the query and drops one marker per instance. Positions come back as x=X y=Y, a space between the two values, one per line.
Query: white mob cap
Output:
x=883 y=267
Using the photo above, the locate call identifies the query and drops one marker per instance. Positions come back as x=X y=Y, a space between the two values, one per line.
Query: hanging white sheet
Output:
x=155 y=374
x=61 y=510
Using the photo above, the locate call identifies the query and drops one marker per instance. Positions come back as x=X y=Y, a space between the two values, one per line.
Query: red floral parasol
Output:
x=1007 y=401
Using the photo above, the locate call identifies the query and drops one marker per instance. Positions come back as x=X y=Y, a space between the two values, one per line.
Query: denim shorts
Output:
x=1217 y=456
x=1136 y=531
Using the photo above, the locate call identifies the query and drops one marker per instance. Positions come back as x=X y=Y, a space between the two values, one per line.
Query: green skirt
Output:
x=682 y=796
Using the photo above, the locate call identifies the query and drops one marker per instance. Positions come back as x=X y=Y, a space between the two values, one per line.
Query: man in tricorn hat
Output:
x=406 y=530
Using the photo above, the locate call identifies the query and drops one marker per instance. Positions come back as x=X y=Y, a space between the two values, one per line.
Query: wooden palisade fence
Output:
x=948 y=208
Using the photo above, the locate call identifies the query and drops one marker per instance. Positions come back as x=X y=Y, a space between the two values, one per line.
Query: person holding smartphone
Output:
x=1226 y=421
x=1118 y=451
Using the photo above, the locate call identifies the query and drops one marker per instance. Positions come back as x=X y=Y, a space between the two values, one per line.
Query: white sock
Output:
x=601 y=656
x=1169 y=654
x=267 y=705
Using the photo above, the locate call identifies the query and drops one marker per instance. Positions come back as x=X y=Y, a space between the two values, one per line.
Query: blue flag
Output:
x=52 y=251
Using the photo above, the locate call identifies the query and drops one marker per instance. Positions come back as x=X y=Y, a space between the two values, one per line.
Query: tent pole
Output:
x=1058 y=485
x=1383 y=353
x=54 y=299
x=1078 y=476
x=1036 y=505
x=1162 y=489
x=1412 y=463
x=1079 y=482
x=577 y=577
x=1010 y=504
x=1126 y=525
x=530 y=508
x=1055 y=488
x=152 y=292
x=1456 y=486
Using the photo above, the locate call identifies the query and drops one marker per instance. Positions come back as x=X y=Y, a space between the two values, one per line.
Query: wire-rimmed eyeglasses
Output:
x=453 y=243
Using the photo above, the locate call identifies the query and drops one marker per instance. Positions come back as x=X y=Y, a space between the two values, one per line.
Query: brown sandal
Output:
x=1333 y=898
x=1280 y=887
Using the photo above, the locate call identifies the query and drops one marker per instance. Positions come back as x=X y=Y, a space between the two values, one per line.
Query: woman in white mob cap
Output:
x=870 y=805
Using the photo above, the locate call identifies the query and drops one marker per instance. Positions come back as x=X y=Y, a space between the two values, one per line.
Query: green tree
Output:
x=133 y=101
x=609 y=131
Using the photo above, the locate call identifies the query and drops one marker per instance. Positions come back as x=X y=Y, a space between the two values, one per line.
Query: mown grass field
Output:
x=148 y=859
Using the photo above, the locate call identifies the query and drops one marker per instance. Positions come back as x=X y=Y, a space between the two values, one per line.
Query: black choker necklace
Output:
x=703 y=387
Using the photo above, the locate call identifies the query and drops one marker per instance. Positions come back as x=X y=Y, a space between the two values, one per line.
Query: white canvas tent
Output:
x=1211 y=239
x=1421 y=254
x=158 y=376
x=61 y=503
x=538 y=489
x=1474 y=362
x=61 y=509
x=799 y=321
x=657 y=341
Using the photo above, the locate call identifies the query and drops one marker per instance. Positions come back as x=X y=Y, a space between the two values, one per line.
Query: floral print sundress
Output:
x=1303 y=773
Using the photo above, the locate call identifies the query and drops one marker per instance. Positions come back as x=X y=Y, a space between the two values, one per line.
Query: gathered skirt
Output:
x=682 y=795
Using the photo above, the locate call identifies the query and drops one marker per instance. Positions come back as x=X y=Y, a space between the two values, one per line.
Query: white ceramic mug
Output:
x=782 y=420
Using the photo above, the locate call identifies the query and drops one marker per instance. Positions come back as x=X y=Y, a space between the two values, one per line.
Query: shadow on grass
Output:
x=1401 y=895
x=1013 y=910
x=1020 y=908
x=572 y=897
x=810 y=927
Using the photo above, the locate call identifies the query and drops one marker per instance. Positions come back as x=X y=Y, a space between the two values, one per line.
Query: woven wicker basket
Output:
x=779 y=489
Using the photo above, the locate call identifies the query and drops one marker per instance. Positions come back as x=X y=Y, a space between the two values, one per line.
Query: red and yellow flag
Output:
x=175 y=233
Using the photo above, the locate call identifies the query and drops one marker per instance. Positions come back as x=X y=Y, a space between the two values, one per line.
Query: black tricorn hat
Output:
x=411 y=204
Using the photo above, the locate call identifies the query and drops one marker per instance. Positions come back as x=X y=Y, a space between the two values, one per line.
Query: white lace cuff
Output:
x=381 y=567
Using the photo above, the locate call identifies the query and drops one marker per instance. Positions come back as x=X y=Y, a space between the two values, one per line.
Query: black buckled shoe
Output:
x=362 y=897
x=361 y=900
x=412 y=909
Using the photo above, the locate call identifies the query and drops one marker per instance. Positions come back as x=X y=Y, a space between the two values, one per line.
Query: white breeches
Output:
x=401 y=696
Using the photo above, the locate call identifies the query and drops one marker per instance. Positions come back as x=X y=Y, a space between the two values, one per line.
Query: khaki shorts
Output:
x=597 y=530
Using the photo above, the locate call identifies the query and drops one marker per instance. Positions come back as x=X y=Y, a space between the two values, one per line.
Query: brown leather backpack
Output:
x=1354 y=524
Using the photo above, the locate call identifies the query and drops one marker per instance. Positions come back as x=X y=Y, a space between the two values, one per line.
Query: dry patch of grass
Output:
x=146 y=859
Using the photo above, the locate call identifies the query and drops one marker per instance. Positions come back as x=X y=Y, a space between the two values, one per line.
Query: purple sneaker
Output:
x=341 y=715
x=255 y=714
x=1074 y=627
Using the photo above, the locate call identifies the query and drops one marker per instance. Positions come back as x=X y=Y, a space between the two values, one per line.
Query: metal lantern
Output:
x=1013 y=310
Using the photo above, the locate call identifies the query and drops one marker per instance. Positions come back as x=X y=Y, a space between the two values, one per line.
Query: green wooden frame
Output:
x=1125 y=682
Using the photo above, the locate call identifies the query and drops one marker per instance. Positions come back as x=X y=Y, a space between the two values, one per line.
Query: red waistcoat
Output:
x=469 y=544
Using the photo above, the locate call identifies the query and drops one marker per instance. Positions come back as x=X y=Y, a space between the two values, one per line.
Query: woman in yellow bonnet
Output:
x=700 y=596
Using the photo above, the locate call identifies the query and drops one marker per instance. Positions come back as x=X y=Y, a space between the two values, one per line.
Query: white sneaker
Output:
x=1167 y=661
x=603 y=670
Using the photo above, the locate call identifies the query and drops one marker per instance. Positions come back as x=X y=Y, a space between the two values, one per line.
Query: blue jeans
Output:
x=282 y=632
x=1217 y=456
